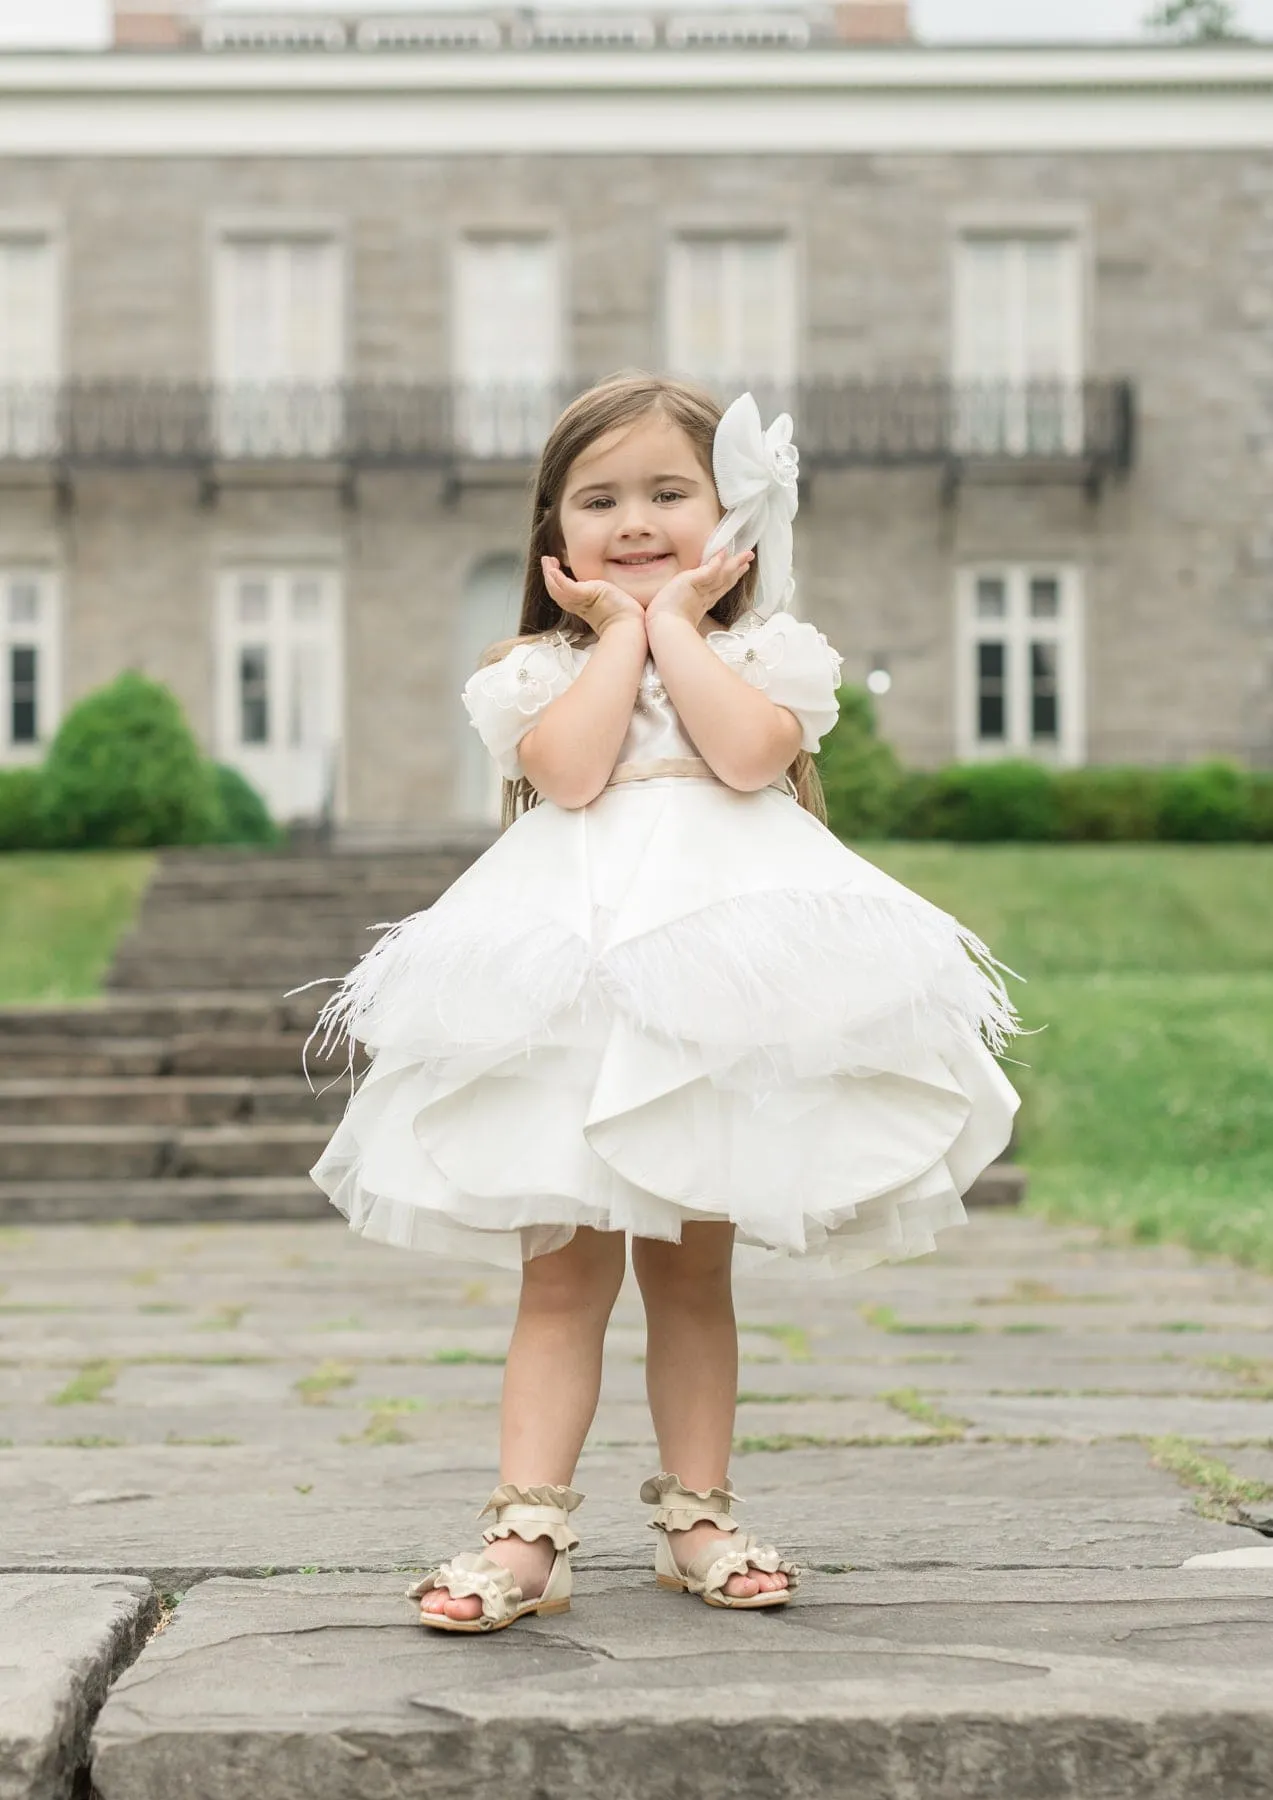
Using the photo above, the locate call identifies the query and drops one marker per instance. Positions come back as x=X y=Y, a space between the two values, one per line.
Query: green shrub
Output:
x=1262 y=807
x=245 y=817
x=124 y=771
x=1108 y=805
x=983 y=803
x=1209 y=803
x=920 y=809
x=860 y=775
x=22 y=824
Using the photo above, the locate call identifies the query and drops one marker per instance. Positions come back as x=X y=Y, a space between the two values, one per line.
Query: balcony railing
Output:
x=399 y=424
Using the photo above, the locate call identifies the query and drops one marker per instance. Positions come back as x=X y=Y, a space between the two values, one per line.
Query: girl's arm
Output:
x=745 y=738
x=569 y=753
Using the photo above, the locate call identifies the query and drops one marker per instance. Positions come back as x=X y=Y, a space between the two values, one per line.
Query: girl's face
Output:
x=637 y=508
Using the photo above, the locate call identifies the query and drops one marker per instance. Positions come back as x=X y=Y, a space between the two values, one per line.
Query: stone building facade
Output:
x=278 y=331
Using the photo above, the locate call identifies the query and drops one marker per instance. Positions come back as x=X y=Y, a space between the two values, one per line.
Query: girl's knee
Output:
x=699 y=1268
x=586 y=1272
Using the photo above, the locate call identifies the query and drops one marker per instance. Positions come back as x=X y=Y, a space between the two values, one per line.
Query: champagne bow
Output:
x=756 y=473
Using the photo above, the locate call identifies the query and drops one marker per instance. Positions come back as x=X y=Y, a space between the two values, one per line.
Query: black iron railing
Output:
x=401 y=424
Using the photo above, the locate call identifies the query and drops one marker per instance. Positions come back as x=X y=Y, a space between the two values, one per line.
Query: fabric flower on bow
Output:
x=756 y=474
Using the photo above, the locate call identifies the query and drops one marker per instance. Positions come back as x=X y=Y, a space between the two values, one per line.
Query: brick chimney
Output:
x=156 y=24
x=873 y=21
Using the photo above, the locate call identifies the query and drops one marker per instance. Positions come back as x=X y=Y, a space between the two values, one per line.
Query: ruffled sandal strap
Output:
x=473 y=1574
x=708 y=1572
x=532 y=1513
x=679 y=1507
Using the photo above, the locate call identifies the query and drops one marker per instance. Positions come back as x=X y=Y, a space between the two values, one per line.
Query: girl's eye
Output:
x=670 y=494
x=599 y=500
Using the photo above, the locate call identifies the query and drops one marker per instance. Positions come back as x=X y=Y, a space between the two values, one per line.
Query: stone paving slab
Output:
x=875 y=1686
x=62 y=1640
x=1086 y=1416
x=180 y=1514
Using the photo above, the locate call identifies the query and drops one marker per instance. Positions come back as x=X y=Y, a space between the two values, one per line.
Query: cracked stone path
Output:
x=223 y=1447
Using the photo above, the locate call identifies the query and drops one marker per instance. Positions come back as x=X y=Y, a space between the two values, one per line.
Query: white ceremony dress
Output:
x=678 y=1002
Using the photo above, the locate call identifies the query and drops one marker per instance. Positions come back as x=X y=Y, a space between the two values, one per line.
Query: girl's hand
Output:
x=692 y=594
x=597 y=603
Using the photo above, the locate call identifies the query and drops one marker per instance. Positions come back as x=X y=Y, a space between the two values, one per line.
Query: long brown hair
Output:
x=621 y=399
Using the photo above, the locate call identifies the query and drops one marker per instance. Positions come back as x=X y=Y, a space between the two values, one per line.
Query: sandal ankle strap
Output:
x=531 y=1513
x=680 y=1507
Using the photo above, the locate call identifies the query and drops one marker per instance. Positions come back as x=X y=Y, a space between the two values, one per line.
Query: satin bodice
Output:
x=655 y=731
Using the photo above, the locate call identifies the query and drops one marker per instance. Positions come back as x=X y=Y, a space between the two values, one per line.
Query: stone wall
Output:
x=1177 y=558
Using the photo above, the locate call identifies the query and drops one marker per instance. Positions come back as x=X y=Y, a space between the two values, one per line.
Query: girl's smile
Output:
x=637 y=509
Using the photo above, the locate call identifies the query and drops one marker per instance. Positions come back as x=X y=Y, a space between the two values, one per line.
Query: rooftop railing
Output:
x=1086 y=427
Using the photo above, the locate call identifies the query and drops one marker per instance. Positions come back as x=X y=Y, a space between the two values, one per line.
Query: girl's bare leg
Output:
x=552 y=1380
x=691 y=1369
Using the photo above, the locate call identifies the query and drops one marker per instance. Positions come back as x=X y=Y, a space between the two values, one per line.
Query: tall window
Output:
x=29 y=332
x=279 y=346
x=731 y=313
x=28 y=663
x=507 y=350
x=1018 y=352
x=1020 y=663
x=279 y=686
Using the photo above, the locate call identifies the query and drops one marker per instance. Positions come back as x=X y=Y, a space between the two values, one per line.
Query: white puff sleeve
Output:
x=791 y=662
x=504 y=699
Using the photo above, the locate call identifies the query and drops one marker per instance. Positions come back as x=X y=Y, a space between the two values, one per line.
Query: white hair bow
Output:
x=756 y=473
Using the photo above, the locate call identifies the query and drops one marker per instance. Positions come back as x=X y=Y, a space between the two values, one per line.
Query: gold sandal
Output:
x=678 y=1509
x=527 y=1513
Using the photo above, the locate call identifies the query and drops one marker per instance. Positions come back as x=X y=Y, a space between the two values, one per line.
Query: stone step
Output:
x=196 y=1101
x=898 y=1685
x=217 y=921
x=214 y=1053
x=165 y=1015
x=166 y=1201
x=34 y=1154
x=70 y=1054
x=273 y=971
x=65 y=1638
x=302 y=880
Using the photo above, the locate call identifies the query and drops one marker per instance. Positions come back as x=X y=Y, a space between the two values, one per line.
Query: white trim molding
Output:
x=658 y=102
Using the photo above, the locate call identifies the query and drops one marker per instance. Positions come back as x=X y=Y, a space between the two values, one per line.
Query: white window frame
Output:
x=497 y=417
x=29 y=420
x=1017 y=631
x=277 y=421
x=229 y=636
x=773 y=387
x=45 y=635
x=1018 y=422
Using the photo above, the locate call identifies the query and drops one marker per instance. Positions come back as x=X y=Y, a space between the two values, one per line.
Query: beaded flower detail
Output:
x=537 y=673
x=752 y=660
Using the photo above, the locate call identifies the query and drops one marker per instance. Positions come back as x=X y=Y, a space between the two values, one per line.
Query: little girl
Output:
x=667 y=1004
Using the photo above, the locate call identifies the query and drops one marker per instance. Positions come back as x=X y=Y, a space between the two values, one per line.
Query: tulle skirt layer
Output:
x=681 y=1002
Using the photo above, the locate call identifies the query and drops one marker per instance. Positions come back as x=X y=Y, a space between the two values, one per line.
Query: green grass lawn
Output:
x=61 y=915
x=1148 y=1096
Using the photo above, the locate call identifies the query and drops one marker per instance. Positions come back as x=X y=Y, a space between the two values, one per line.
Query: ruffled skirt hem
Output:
x=657 y=1033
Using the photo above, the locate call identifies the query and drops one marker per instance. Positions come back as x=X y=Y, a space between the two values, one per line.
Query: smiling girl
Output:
x=667 y=1006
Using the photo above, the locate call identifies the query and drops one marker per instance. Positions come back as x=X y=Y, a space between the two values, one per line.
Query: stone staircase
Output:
x=180 y=1095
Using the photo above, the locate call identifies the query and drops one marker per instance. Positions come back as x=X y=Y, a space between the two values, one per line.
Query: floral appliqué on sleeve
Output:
x=537 y=669
x=753 y=652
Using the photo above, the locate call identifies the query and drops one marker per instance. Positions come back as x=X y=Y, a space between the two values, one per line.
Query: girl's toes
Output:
x=469 y=1607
